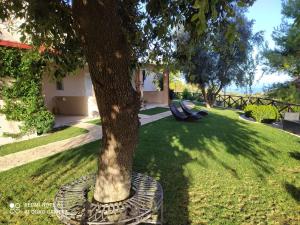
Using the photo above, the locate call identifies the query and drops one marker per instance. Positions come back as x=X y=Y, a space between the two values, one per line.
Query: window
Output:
x=59 y=85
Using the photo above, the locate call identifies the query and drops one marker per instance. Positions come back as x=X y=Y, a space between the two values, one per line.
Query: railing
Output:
x=239 y=102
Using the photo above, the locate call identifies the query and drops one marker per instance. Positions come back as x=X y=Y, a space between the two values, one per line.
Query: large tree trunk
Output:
x=108 y=55
x=210 y=95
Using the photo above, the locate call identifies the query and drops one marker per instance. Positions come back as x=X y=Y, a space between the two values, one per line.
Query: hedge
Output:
x=262 y=113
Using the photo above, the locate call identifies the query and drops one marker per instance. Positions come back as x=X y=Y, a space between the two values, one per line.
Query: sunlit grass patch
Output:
x=65 y=133
x=95 y=122
x=154 y=111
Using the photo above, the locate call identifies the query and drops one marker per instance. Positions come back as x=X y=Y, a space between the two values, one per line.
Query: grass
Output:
x=39 y=141
x=220 y=170
x=149 y=112
x=95 y=122
x=154 y=111
x=12 y=135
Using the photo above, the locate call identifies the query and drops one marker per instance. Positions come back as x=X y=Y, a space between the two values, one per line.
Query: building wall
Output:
x=149 y=92
x=9 y=126
x=76 y=98
x=154 y=97
x=160 y=97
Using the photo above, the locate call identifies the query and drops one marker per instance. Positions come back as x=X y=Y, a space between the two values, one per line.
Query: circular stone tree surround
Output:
x=145 y=205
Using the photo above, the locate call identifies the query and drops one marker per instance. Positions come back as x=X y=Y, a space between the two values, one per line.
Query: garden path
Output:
x=95 y=133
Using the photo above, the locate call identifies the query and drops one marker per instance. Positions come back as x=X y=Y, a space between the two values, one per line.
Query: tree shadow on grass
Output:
x=156 y=157
x=295 y=155
x=293 y=191
x=63 y=165
x=166 y=147
x=217 y=133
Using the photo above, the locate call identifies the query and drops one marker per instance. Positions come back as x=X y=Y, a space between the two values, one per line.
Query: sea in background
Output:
x=255 y=89
x=261 y=84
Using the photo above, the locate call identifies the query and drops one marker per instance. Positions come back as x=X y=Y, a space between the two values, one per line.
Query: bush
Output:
x=23 y=99
x=186 y=94
x=42 y=122
x=248 y=110
x=262 y=113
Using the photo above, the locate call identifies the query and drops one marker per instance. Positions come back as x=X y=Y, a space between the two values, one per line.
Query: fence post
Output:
x=241 y=102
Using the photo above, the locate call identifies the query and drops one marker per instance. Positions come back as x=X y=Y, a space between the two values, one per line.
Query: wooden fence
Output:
x=239 y=102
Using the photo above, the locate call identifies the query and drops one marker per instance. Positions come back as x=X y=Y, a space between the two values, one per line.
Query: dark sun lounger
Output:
x=181 y=116
x=187 y=111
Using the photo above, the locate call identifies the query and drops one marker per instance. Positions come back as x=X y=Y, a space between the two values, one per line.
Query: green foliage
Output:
x=186 y=94
x=23 y=98
x=262 y=113
x=218 y=59
x=148 y=26
x=42 y=121
x=286 y=55
x=248 y=110
x=286 y=92
x=9 y=62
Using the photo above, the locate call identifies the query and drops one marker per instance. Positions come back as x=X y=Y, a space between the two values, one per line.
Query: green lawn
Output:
x=35 y=142
x=220 y=170
x=95 y=122
x=149 y=112
x=154 y=111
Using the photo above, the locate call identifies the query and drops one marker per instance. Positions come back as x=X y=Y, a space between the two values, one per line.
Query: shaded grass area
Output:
x=149 y=112
x=220 y=170
x=154 y=111
x=95 y=122
x=66 y=133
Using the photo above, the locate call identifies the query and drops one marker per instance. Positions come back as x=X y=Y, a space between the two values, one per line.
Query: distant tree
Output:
x=112 y=36
x=286 y=92
x=286 y=55
x=219 y=58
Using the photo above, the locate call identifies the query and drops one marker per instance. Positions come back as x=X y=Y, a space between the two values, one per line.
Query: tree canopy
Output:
x=219 y=58
x=148 y=25
x=286 y=54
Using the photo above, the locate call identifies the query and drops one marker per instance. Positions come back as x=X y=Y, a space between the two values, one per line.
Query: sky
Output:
x=267 y=16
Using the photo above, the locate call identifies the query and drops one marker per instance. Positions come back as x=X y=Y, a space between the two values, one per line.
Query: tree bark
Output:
x=210 y=96
x=206 y=97
x=108 y=55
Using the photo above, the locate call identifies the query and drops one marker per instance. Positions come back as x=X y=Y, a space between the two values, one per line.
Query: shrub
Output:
x=186 y=94
x=262 y=113
x=41 y=121
x=271 y=113
x=23 y=99
x=258 y=114
x=248 y=110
